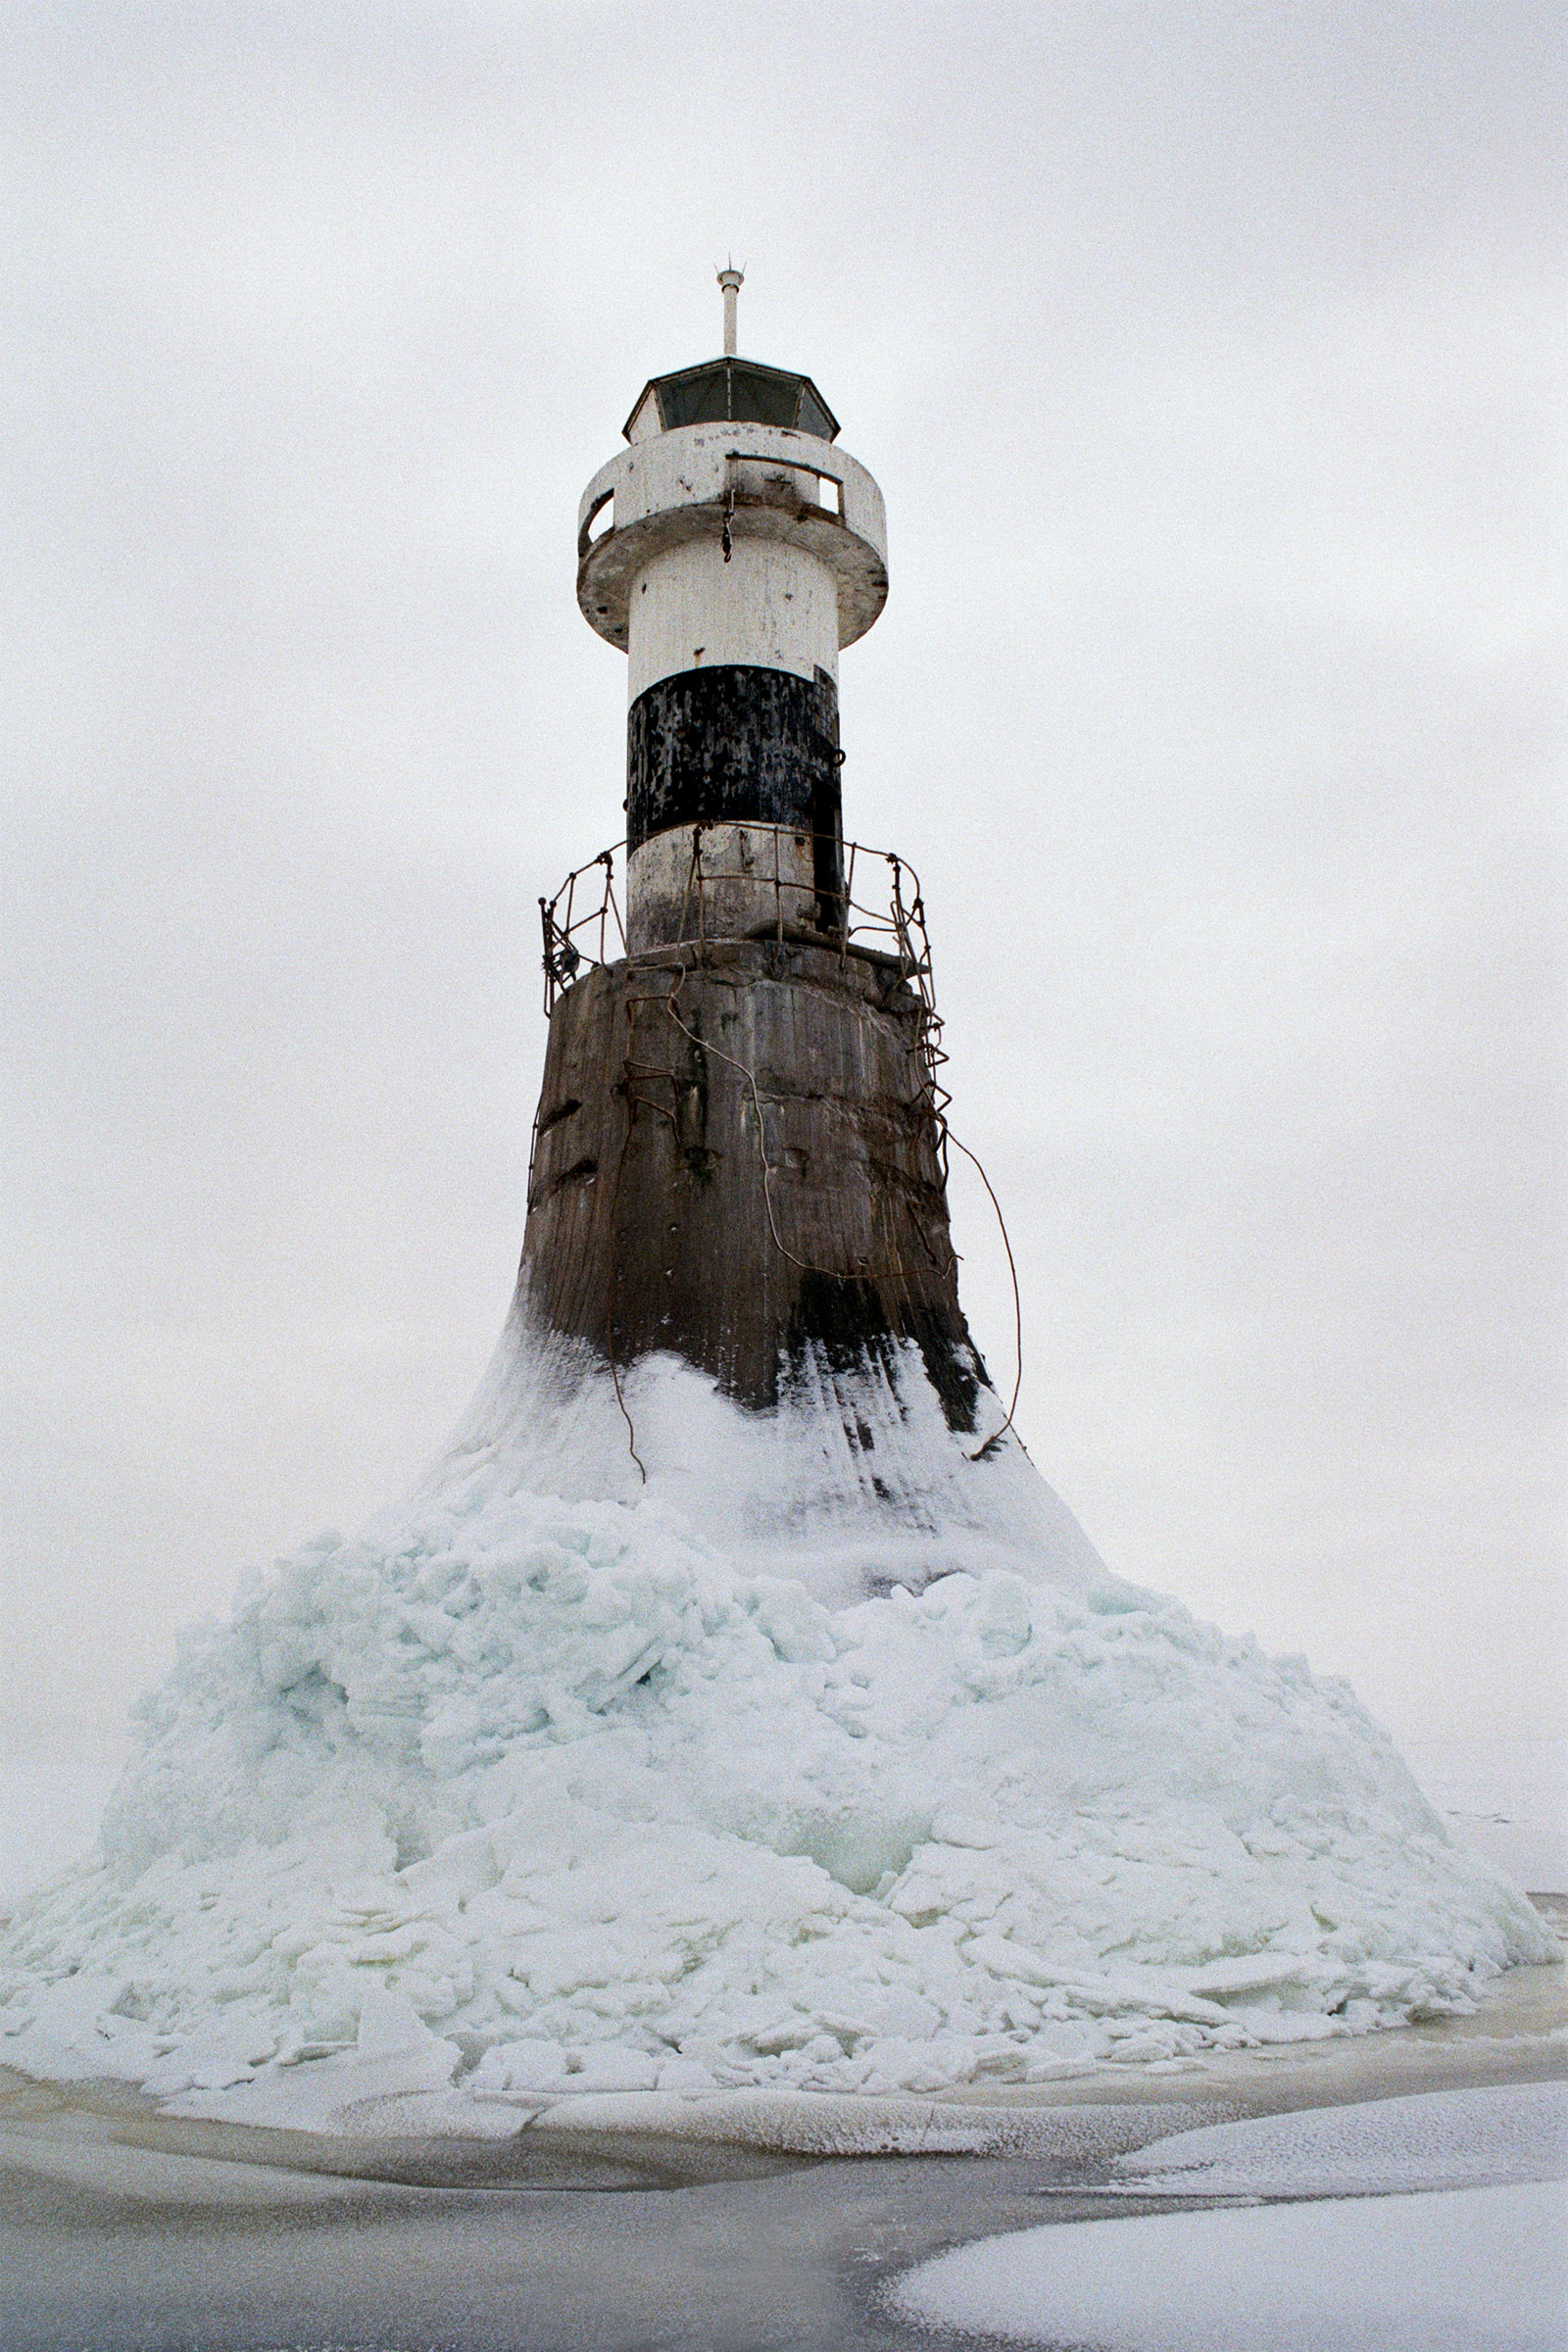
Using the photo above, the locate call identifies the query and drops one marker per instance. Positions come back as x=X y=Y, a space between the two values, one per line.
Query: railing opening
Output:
x=600 y=517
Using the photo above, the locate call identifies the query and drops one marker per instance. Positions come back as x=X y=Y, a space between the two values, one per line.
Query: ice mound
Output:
x=515 y=1802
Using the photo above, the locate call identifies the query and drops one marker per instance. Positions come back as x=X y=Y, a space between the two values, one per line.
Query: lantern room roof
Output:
x=731 y=390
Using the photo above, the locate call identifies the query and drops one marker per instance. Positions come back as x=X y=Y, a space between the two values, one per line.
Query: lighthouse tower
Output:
x=738 y=1288
x=743 y=550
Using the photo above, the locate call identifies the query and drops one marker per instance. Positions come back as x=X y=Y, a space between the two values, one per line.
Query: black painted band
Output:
x=733 y=745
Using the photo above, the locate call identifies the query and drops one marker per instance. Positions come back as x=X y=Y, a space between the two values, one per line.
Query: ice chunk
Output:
x=569 y=1783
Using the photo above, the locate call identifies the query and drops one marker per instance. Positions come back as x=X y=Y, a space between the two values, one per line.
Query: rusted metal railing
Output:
x=566 y=954
x=583 y=926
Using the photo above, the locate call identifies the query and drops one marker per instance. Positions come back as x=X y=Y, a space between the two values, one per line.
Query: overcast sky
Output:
x=1210 y=360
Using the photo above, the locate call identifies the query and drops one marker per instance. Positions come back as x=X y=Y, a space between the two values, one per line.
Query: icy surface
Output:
x=515 y=1802
x=1480 y=2269
x=1435 y=2139
x=854 y=1483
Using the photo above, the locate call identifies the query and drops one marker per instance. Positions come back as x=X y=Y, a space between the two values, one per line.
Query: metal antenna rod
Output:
x=732 y=281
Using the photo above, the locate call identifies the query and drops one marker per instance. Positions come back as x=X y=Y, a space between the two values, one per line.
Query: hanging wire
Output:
x=997 y=1435
x=704 y=1046
x=609 y=1300
x=630 y=1071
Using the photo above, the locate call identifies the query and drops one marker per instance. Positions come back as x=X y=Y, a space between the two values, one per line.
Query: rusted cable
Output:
x=997 y=1435
x=609 y=1317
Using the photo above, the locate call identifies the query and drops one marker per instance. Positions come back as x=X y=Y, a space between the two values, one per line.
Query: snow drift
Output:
x=515 y=1800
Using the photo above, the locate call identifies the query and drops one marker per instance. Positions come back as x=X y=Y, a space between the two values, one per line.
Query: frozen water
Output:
x=1435 y=2139
x=603 y=1810
x=1484 y=2265
x=1483 y=2269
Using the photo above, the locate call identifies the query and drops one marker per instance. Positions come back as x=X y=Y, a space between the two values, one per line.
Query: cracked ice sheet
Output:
x=821 y=2126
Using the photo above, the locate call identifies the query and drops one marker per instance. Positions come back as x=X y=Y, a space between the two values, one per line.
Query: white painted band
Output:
x=744 y=882
x=770 y=607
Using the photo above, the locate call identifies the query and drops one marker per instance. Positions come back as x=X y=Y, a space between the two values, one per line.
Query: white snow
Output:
x=1434 y=2140
x=1402 y=2269
x=601 y=1810
x=851 y=1485
x=1480 y=2269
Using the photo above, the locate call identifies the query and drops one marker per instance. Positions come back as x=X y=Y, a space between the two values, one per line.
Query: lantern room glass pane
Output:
x=742 y=392
x=699 y=398
x=759 y=398
x=813 y=417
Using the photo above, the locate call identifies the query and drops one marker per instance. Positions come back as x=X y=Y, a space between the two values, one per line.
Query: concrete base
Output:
x=738 y=1287
x=737 y=1161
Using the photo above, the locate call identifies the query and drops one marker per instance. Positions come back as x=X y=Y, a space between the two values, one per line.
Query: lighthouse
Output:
x=738 y=1290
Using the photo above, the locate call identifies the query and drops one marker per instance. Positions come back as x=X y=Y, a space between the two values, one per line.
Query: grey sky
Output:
x=1210 y=360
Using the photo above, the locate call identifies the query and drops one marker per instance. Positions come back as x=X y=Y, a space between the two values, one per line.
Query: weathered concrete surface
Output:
x=730 y=881
x=737 y=1161
x=772 y=605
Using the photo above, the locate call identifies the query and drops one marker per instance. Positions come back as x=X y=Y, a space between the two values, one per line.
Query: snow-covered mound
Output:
x=512 y=1800
x=852 y=1483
